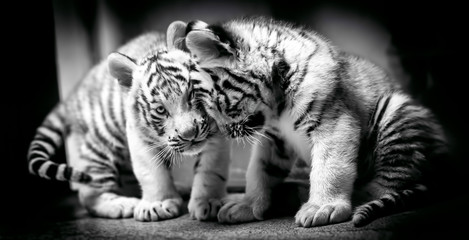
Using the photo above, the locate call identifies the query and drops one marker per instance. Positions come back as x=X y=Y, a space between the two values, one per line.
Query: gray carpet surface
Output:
x=441 y=221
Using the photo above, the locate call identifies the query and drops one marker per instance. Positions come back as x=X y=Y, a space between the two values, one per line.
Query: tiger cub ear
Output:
x=121 y=67
x=175 y=35
x=208 y=49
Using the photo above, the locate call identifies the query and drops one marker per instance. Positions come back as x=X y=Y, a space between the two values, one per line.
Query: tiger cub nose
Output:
x=190 y=133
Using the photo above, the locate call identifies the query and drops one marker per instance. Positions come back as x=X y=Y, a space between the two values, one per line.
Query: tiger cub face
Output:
x=239 y=105
x=163 y=96
x=242 y=97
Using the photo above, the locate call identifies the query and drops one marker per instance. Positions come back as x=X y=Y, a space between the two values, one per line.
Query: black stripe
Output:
x=154 y=91
x=108 y=166
x=373 y=114
x=395 y=178
x=410 y=124
x=110 y=103
x=51 y=171
x=103 y=180
x=145 y=100
x=179 y=78
x=222 y=178
x=107 y=127
x=374 y=129
x=392 y=162
x=268 y=84
x=399 y=117
x=40 y=137
x=36 y=165
x=373 y=208
x=34 y=155
x=202 y=90
x=140 y=109
x=68 y=172
x=227 y=85
x=195 y=82
x=100 y=154
x=381 y=113
x=406 y=140
x=39 y=147
x=308 y=110
x=172 y=70
x=314 y=125
x=393 y=170
x=407 y=150
x=279 y=73
x=251 y=85
x=49 y=125
x=197 y=162
x=122 y=112
x=305 y=70
x=118 y=152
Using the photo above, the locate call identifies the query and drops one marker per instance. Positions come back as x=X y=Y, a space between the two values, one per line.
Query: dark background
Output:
x=427 y=37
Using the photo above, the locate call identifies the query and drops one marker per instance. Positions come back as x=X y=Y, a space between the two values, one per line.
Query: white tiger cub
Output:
x=300 y=96
x=141 y=106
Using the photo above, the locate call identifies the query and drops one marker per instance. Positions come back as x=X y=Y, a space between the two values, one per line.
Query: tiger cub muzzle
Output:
x=245 y=127
x=190 y=139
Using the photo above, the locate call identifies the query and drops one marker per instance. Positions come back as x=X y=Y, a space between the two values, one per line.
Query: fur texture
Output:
x=294 y=94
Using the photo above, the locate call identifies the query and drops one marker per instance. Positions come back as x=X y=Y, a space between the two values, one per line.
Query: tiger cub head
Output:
x=164 y=97
x=246 y=85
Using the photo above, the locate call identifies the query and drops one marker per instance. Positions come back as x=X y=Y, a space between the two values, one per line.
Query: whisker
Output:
x=254 y=139
x=259 y=133
x=249 y=140
x=161 y=156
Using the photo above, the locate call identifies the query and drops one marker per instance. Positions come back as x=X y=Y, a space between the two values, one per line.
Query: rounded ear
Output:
x=121 y=67
x=208 y=48
x=175 y=35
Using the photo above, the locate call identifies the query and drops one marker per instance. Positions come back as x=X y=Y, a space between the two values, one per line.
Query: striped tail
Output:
x=48 y=138
x=388 y=204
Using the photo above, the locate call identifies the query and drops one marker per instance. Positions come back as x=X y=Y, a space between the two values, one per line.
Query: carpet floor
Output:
x=440 y=221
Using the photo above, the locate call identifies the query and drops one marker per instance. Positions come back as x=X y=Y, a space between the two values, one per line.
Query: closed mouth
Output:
x=191 y=147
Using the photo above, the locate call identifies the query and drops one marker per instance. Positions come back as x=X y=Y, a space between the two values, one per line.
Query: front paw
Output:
x=311 y=214
x=204 y=209
x=239 y=211
x=147 y=211
x=109 y=205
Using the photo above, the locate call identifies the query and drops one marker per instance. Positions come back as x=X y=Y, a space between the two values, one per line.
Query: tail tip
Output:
x=359 y=220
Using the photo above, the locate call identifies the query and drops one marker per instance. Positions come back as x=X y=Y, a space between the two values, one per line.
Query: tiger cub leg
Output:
x=211 y=175
x=333 y=172
x=160 y=200
x=269 y=165
x=99 y=197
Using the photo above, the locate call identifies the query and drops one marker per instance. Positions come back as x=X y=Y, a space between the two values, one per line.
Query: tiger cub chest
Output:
x=294 y=139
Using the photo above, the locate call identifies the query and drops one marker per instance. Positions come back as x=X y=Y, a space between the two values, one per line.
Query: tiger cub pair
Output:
x=141 y=107
x=285 y=87
x=296 y=95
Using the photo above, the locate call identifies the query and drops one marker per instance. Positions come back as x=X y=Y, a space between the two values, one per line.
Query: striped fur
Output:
x=143 y=104
x=402 y=137
x=287 y=87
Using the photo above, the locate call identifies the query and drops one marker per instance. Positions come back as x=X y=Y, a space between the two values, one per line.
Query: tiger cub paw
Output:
x=204 y=209
x=111 y=205
x=146 y=211
x=239 y=211
x=311 y=214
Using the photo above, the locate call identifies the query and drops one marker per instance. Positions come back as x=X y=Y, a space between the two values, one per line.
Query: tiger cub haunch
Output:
x=296 y=95
x=142 y=104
